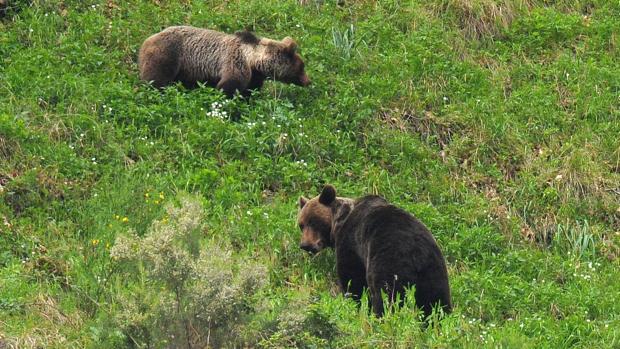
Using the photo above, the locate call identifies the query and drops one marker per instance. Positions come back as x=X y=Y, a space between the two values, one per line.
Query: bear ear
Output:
x=302 y=202
x=290 y=44
x=328 y=195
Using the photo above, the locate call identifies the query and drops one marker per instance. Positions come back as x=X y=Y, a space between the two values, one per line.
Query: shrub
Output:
x=184 y=294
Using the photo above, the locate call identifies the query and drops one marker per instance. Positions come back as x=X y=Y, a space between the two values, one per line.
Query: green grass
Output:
x=494 y=122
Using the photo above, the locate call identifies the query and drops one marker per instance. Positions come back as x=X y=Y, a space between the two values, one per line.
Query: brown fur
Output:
x=378 y=246
x=314 y=220
x=231 y=62
x=4 y=5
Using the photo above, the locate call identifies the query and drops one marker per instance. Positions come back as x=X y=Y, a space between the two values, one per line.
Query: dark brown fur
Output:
x=378 y=246
x=231 y=62
x=4 y=5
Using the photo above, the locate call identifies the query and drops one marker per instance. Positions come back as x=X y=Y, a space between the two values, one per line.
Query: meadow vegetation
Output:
x=138 y=218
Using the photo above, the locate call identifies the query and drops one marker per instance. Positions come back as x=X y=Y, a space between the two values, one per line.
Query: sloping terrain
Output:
x=138 y=218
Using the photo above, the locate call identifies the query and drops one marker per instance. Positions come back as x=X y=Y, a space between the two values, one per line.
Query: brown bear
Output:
x=231 y=62
x=378 y=246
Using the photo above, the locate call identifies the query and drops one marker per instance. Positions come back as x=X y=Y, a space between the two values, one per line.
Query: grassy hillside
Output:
x=134 y=218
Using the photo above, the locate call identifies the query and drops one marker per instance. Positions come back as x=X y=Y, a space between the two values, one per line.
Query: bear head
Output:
x=285 y=63
x=321 y=218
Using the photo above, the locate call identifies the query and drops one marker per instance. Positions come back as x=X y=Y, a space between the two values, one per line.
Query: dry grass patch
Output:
x=51 y=327
x=484 y=18
x=8 y=148
x=429 y=127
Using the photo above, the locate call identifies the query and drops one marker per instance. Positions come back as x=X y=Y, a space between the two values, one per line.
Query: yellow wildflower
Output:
x=161 y=195
x=125 y=219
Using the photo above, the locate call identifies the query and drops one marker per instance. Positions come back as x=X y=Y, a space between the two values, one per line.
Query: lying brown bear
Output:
x=378 y=246
x=231 y=62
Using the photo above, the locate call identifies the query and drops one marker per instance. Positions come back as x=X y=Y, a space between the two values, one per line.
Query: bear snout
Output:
x=310 y=247
x=304 y=81
x=307 y=247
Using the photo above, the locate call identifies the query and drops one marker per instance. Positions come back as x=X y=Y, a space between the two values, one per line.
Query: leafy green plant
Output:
x=575 y=239
x=344 y=40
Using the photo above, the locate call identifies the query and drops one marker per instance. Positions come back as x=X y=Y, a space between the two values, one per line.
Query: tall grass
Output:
x=575 y=239
x=344 y=40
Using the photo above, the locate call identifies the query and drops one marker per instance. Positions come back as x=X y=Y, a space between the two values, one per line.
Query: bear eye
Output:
x=301 y=226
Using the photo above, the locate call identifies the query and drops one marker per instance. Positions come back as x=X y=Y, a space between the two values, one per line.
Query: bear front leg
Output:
x=230 y=85
x=235 y=76
x=256 y=82
x=351 y=275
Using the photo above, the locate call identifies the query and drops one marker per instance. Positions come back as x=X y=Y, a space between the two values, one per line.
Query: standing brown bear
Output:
x=378 y=246
x=231 y=62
